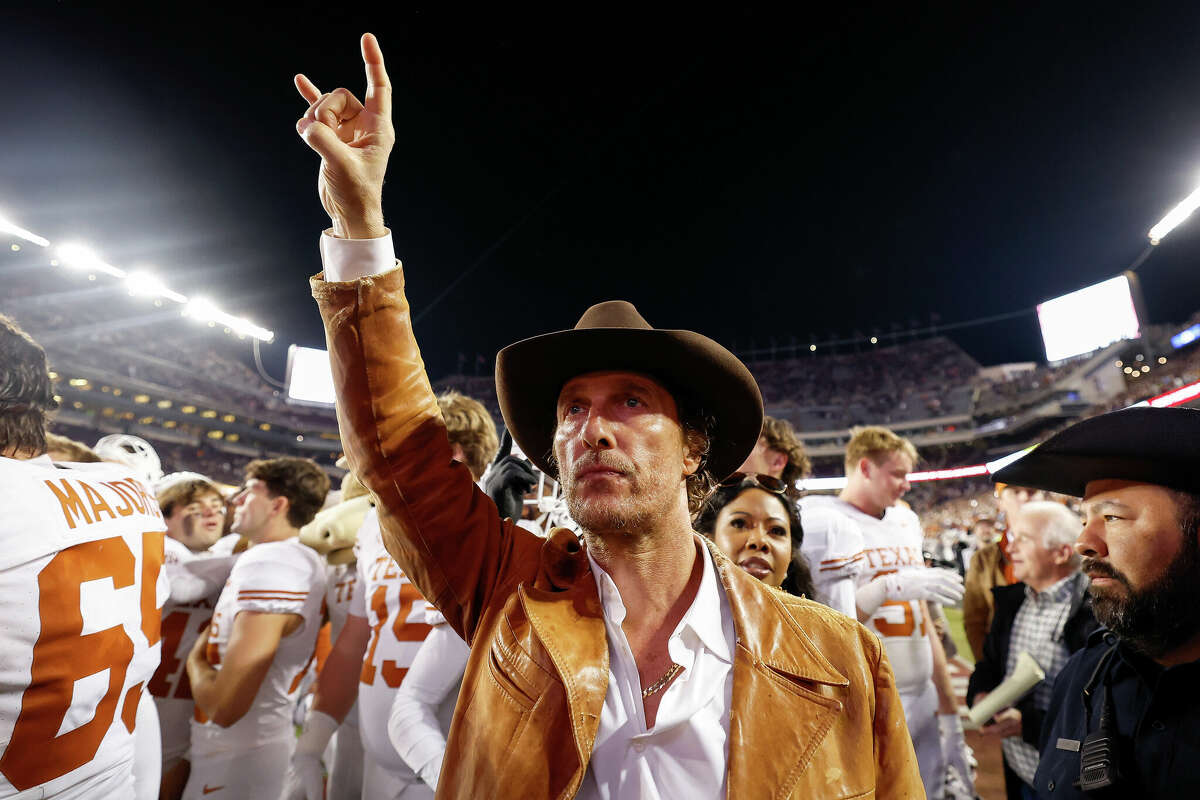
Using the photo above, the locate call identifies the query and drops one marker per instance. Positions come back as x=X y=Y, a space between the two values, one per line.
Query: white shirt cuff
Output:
x=351 y=259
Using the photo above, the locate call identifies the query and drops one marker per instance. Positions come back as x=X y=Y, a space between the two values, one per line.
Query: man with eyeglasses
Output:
x=1047 y=614
x=633 y=663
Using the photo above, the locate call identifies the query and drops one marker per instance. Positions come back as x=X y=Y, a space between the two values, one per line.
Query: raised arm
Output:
x=443 y=532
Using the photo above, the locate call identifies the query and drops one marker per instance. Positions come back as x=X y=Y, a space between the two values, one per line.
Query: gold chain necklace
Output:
x=661 y=683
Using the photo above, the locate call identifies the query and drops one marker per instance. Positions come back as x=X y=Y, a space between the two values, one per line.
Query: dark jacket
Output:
x=989 y=671
x=1156 y=724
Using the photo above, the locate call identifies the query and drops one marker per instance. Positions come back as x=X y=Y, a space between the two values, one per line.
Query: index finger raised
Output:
x=379 y=86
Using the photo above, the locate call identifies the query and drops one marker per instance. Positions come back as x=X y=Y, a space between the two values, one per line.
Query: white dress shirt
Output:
x=686 y=753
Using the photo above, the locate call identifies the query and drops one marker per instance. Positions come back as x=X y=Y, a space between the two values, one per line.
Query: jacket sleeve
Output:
x=975 y=604
x=989 y=670
x=896 y=772
x=442 y=530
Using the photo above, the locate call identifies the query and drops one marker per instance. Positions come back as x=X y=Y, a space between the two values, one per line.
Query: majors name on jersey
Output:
x=82 y=587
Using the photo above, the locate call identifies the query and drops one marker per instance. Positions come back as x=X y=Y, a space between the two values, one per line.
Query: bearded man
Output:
x=1124 y=719
x=636 y=662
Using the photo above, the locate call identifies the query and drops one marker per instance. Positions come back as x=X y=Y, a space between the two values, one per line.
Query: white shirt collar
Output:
x=704 y=617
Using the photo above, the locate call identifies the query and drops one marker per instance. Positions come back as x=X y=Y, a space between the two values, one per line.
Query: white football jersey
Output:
x=277 y=578
x=339 y=580
x=893 y=544
x=81 y=596
x=833 y=545
x=181 y=626
x=396 y=612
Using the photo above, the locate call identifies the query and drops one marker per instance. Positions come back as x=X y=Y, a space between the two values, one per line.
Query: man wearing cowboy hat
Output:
x=1124 y=718
x=638 y=662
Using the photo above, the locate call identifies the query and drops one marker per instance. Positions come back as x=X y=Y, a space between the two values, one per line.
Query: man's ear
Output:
x=280 y=505
x=693 y=451
x=864 y=467
x=777 y=460
x=1063 y=554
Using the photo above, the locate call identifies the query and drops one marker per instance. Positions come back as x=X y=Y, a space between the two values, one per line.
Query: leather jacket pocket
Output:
x=517 y=671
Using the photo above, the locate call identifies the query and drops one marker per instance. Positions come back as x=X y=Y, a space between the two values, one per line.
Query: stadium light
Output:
x=145 y=284
x=201 y=309
x=84 y=259
x=1174 y=217
x=12 y=228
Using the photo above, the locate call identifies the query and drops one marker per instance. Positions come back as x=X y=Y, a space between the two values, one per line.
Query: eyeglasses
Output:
x=768 y=482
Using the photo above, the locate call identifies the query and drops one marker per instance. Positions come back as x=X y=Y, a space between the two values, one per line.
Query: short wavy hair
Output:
x=184 y=492
x=300 y=480
x=471 y=427
x=782 y=437
x=71 y=450
x=876 y=443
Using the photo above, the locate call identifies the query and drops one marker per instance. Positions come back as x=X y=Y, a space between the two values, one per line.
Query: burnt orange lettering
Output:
x=134 y=496
x=98 y=502
x=72 y=506
x=124 y=510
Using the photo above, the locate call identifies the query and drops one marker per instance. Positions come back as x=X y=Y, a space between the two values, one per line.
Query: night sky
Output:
x=749 y=175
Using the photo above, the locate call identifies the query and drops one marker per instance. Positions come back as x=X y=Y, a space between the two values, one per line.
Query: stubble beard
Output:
x=607 y=513
x=1162 y=616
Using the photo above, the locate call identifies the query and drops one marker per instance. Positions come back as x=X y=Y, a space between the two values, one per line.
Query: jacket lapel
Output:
x=782 y=700
x=563 y=606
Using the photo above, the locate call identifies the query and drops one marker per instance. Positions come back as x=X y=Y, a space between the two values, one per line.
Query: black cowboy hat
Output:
x=699 y=373
x=1148 y=445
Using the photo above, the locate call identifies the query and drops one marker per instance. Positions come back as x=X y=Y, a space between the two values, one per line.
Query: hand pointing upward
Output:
x=353 y=139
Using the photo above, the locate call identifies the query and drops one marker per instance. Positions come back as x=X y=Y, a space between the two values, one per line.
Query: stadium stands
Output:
x=133 y=364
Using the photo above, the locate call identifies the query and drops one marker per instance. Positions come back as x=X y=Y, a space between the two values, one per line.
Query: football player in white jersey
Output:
x=831 y=545
x=333 y=534
x=381 y=637
x=195 y=514
x=246 y=670
x=81 y=595
x=891 y=595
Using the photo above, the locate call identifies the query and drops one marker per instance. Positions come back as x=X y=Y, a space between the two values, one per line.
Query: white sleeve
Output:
x=272 y=580
x=833 y=546
x=413 y=724
x=186 y=587
x=351 y=259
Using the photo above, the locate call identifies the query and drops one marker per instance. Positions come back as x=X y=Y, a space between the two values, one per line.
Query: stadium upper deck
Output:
x=134 y=364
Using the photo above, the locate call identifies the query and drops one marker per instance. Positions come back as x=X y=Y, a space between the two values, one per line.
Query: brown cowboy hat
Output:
x=698 y=372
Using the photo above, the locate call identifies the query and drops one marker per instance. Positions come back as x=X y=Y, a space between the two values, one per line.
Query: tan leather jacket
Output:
x=814 y=713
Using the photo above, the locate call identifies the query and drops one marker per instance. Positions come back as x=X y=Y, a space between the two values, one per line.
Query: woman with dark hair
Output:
x=751 y=519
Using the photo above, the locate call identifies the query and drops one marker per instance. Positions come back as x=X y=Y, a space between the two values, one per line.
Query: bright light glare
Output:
x=1088 y=319
x=1175 y=397
x=84 y=259
x=16 y=230
x=202 y=309
x=947 y=474
x=1174 y=217
x=147 y=285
